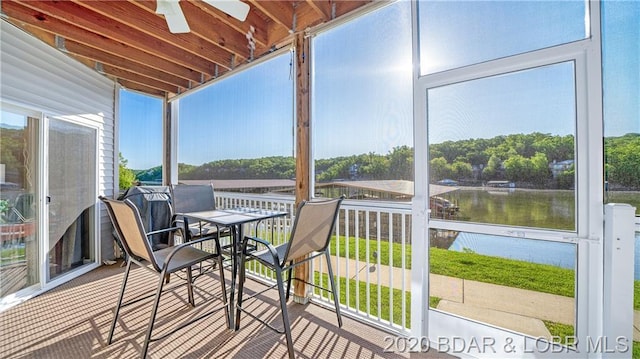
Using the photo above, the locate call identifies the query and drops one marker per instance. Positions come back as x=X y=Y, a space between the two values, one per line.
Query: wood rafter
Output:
x=127 y=41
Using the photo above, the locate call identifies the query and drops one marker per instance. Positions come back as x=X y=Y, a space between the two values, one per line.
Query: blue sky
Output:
x=140 y=130
x=247 y=116
x=536 y=100
x=362 y=92
x=362 y=87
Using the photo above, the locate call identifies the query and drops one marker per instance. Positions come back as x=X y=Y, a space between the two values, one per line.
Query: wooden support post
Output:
x=303 y=157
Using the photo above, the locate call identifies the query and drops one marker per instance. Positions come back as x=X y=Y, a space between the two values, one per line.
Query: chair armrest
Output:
x=266 y=243
x=191 y=243
x=169 y=229
x=178 y=219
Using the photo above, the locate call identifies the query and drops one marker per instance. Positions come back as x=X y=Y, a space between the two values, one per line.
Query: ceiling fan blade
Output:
x=235 y=8
x=173 y=15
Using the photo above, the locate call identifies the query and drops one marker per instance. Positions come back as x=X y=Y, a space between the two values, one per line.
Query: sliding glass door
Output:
x=50 y=162
x=71 y=195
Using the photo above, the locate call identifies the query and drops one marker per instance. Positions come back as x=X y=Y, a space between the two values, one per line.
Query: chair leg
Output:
x=333 y=288
x=241 y=280
x=115 y=315
x=223 y=286
x=289 y=280
x=190 y=287
x=285 y=315
x=154 y=311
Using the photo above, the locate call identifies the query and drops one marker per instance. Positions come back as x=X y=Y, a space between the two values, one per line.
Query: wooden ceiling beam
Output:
x=68 y=31
x=208 y=29
x=322 y=8
x=132 y=44
x=253 y=19
x=112 y=72
x=281 y=12
x=306 y=16
x=122 y=63
x=130 y=85
x=126 y=75
x=346 y=6
x=76 y=15
x=155 y=26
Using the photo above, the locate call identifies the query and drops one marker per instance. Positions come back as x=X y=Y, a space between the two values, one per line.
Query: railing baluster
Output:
x=346 y=256
x=367 y=264
x=391 y=269
x=348 y=224
x=404 y=270
x=356 y=235
x=378 y=258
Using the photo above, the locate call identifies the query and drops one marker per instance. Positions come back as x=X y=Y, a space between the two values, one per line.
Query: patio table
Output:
x=234 y=218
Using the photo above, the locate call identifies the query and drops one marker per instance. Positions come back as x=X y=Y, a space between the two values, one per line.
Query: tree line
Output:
x=397 y=164
x=520 y=158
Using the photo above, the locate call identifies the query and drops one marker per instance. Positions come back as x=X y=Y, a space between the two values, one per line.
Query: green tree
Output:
x=517 y=168
x=439 y=169
x=153 y=174
x=540 y=171
x=566 y=179
x=623 y=160
x=491 y=169
x=461 y=170
x=374 y=167
x=126 y=176
x=338 y=170
x=401 y=163
x=185 y=170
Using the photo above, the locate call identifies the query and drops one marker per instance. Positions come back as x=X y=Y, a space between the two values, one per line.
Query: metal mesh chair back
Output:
x=192 y=198
x=312 y=228
x=127 y=222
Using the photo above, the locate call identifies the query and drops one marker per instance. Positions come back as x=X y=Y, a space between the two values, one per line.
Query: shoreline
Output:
x=506 y=189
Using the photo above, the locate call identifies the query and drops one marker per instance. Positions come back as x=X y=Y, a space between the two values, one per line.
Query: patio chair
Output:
x=309 y=239
x=128 y=223
x=195 y=198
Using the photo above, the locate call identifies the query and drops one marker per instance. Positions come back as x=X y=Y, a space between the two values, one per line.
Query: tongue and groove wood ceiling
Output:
x=128 y=42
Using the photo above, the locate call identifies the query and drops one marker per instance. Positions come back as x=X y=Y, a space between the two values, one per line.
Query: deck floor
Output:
x=72 y=321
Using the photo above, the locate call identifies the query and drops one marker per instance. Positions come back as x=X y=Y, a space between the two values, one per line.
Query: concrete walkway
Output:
x=507 y=307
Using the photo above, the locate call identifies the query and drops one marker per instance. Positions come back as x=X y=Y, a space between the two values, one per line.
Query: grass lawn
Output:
x=390 y=302
x=472 y=266
x=388 y=299
x=386 y=303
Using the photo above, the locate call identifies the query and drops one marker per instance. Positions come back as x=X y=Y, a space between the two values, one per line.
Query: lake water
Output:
x=535 y=251
x=551 y=209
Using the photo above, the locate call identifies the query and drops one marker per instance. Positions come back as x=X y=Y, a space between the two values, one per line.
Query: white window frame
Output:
x=588 y=233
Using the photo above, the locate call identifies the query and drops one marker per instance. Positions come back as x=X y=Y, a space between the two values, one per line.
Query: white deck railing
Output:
x=372 y=240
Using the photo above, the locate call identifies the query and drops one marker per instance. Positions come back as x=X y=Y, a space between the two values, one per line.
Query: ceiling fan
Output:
x=178 y=23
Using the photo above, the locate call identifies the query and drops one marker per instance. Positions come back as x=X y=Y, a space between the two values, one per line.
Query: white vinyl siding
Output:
x=34 y=75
